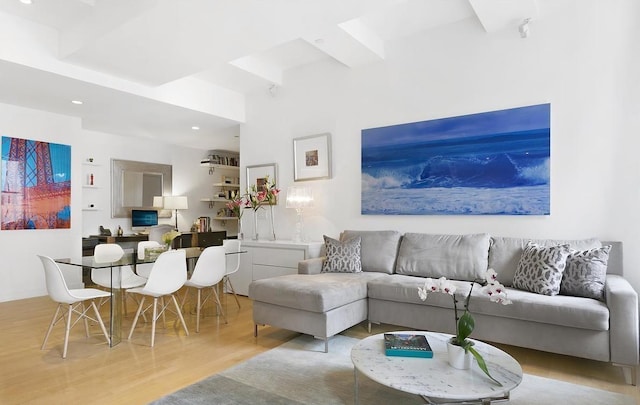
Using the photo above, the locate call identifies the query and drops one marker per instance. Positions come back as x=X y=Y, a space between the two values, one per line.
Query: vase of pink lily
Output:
x=236 y=204
x=465 y=322
x=257 y=197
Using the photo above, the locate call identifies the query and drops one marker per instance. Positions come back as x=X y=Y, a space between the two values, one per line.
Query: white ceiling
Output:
x=155 y=68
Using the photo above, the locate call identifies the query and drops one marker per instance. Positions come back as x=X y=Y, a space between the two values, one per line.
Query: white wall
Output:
x=580 y=57
x=21 y=274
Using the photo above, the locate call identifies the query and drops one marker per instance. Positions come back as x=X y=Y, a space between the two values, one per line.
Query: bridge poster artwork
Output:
x=36 y=184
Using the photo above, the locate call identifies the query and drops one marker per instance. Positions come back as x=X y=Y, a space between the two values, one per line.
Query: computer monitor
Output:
x=141 y=220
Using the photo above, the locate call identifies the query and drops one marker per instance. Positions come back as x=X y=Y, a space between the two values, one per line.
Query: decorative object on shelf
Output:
x=312 y=157
x=168 y=238
x=120 y=232
x=176 y=202
x=263 y=191
x=299 y=198
x=465 y=323
x=236 y=204
x=91 y=179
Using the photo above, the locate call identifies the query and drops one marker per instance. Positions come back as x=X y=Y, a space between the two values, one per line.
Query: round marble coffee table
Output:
x=433 y=378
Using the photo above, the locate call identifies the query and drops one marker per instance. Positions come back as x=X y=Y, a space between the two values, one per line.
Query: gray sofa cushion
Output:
x=561 y=310
x=457 y=257
x=378 y=249
x=586 y=273
x=505 y=253
x=315 y=292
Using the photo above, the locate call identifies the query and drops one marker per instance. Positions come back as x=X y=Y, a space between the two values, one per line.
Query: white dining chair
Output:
x=208 y=272
x=156 y=232
x=143 y=269
x=70 y=302
x=106 y=277
x=231 y=246
x=168 y=275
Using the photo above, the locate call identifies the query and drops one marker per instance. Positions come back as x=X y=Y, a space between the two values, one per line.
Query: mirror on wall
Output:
x=134 y=184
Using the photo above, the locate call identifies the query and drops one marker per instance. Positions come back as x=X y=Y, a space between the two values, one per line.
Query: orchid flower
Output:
x=465 y=323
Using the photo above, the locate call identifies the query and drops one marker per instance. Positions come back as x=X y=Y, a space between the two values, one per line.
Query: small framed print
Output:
x=257 y=176
x=312 y=157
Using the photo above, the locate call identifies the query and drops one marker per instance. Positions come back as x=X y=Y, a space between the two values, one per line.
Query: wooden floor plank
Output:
x=135 y=373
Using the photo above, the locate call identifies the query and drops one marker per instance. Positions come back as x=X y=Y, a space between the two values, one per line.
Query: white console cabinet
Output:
x=264 y=259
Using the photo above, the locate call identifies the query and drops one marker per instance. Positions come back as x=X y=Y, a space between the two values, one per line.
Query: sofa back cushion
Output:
x=378 y=249
x=457 y=257
x=505 y=253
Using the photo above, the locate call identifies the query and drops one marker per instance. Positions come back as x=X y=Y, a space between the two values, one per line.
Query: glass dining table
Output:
x=128 y=259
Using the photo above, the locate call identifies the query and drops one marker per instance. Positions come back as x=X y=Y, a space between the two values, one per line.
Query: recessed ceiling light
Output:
x=195 y=128
x=25 y=1
x=78 y=102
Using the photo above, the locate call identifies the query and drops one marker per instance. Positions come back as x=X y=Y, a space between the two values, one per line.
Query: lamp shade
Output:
x=299 y=197
x=158 y=201
x=178 y=202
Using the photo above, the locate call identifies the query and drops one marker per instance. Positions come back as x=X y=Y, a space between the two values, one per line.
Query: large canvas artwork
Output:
x=36 y=184
x=492 y=163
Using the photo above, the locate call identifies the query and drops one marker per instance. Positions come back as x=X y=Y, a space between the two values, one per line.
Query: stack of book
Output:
x=407 y=345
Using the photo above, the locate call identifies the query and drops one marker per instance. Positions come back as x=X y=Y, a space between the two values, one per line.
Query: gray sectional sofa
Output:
x=323 y=304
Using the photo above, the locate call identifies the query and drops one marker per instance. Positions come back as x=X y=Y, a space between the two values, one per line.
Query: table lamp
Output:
x=176 y=202
x=299 y=198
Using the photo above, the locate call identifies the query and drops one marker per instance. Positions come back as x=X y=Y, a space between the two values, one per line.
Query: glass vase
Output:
x=273 y=229
x=254 y=235
x=240 y=233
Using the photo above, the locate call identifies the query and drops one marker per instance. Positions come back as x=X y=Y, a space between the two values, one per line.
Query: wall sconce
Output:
x=299 y=198
x=523 y=28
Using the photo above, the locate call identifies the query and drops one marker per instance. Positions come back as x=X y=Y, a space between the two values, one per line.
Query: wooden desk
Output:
x=120 y=239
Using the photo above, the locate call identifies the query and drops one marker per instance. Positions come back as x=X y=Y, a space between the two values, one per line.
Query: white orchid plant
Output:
x=465 y=322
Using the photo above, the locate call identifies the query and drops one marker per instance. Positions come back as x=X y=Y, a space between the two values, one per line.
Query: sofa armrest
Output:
x=311 y=266
x=622 y=301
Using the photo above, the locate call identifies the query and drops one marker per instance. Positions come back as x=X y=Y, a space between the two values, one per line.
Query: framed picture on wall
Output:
x=312 y=157
x=258 y=175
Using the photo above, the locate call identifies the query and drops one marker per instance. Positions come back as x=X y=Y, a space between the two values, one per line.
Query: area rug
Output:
x=299 y=372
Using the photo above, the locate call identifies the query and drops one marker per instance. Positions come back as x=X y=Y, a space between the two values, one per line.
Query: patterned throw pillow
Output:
x=540 y=268
x=342 y=257
x=586 y=273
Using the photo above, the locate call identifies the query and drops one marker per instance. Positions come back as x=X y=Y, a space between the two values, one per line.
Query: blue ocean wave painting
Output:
x=493 y=163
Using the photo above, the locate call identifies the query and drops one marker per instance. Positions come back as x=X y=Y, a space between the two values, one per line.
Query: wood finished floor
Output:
x=134 y=373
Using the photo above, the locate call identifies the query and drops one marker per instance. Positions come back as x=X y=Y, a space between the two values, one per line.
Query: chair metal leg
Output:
x=153 y=322
x=184 y=325
x=227 y=280
x=198 y=310
x=255 y=330
x=54 y=320
x=135 y=319
x=215 y=293
x=85 y=319
x=67 y=329
x=99 y=318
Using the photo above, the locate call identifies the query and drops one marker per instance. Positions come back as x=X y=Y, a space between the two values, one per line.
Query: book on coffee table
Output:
x=407 y=345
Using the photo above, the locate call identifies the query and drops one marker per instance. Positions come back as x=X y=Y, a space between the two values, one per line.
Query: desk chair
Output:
x=209 y=271
x=71 y=301
x=232 y=264
x=168 y=275
x=111 y=252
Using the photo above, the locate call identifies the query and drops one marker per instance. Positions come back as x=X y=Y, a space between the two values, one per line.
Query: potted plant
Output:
x=465 y=323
